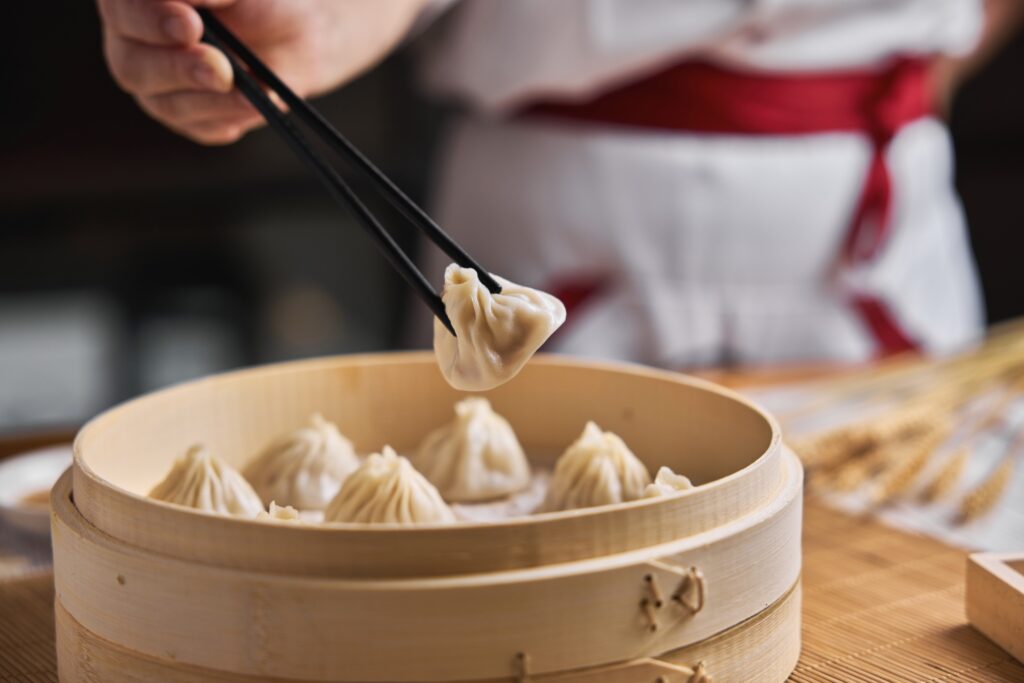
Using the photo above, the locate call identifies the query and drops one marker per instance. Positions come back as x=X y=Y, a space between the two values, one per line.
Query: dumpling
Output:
x=475 y=457
x=496 y=333
x=386 y=488
x=304 y=468
x=598 y=469
x=279 y=513
x=667 y=482
x=203 y=481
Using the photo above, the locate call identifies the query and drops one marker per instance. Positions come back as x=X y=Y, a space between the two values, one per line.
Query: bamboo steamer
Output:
x=639 y=591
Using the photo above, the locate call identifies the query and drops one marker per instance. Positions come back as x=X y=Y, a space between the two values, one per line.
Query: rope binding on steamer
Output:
x=692 y=583
x=690 y=594
x=522 y=667
x=700 y=674
x=697 y=674
x=652 y=587
x=653 y=602
x=650 y=611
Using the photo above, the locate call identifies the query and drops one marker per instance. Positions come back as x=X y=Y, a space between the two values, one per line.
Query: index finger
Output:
x=164 y=23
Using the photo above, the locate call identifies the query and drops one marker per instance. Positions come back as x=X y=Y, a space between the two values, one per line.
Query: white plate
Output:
x=25 y=474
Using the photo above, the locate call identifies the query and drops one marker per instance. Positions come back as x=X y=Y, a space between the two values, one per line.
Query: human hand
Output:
x=154 y=52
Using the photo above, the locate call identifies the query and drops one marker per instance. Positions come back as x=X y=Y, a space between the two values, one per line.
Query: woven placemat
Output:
x=26 y=629
x=879 y=605
x=882 y=605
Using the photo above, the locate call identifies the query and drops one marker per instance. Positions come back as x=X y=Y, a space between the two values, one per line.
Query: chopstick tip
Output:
x=446 y=321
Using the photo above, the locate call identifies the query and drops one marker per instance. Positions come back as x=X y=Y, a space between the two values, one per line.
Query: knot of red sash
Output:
x=698 y=97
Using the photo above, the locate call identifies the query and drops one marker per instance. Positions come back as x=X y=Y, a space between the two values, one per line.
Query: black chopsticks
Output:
x=248 y=83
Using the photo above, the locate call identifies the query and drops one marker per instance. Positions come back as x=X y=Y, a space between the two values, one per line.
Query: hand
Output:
x=153 y=51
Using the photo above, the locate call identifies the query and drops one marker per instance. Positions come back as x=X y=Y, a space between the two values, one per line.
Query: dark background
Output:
x=130 y=257
x=987 y=120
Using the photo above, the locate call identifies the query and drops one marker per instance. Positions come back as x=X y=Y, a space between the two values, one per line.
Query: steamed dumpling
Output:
x=279 y=513
x=386 y=488
x=598 y=469
x=203 y=481
x=304 y=468
x=667 y=482
x=475 y=457
x=496 y=333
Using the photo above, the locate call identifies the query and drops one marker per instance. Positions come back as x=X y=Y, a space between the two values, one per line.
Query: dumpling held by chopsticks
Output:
x=496 y=333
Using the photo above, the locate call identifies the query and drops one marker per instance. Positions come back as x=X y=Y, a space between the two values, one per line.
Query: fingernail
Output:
x=206 y=77
x=177 y=29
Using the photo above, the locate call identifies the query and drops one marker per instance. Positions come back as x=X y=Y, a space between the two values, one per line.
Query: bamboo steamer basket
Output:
x=681 y=588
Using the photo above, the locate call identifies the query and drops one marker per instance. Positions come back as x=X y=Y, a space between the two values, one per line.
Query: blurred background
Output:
x=131 y=258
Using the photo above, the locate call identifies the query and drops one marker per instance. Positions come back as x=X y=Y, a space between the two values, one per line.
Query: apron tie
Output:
x=697 y=97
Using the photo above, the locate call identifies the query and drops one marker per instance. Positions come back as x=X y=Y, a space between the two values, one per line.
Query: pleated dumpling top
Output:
x=203 y=481
x=474 y=457
x=495 y=333
x=387 y=489
x=303 y=468
x=597 y=469
x=279 y=513
x=667 y=483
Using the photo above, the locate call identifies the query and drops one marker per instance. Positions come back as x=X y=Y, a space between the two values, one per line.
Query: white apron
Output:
x=708 y=248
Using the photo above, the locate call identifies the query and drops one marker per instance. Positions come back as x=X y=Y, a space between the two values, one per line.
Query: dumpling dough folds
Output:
x=475 y=457
x=203 y=481
x=667 y=482
x=279 y=513
x=496 y=333
x=304 y=468
x=598 y=469
x=387 y=489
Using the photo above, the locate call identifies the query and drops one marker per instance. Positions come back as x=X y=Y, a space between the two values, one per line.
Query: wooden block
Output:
x=995 y=598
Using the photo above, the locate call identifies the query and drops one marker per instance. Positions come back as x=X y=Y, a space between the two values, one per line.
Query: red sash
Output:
x=702 y=98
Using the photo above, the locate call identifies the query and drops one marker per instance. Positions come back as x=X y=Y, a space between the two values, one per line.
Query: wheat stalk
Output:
x=895 y=480
x=891 y=450
x=854 y=472
x=835 y=447
x=914 y=376
x=982 y=498
x=830 y=448
x=850 y=475
x=947 y=476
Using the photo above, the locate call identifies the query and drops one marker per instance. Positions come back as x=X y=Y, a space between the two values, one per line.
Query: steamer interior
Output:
x=397 y=399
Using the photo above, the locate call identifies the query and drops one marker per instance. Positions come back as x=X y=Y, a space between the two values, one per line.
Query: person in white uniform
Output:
x=703 y=182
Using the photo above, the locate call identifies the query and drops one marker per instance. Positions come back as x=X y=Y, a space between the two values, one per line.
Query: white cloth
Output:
x=1001 y=530
x=713 y=247
x=499 y=54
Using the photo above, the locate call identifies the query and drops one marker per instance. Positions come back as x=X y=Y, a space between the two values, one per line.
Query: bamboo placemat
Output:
x=26 y=629
x=882 y=605
x=879 y=605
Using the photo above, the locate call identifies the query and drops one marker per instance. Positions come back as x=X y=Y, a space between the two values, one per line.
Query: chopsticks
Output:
x=248 y=83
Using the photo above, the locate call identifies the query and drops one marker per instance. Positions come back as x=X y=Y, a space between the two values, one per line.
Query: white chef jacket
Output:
x=711 y=247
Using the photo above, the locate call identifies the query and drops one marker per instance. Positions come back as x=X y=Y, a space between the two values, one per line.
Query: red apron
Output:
x=701 y=98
